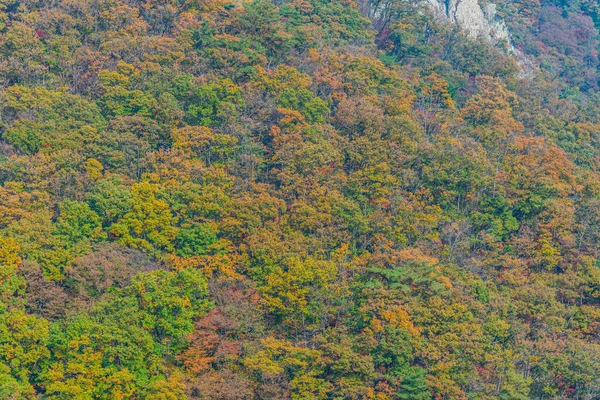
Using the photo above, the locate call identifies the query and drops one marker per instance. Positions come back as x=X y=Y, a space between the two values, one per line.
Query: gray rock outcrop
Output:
x=475 y=20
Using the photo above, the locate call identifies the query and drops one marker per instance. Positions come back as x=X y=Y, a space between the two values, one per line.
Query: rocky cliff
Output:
x=475 y=20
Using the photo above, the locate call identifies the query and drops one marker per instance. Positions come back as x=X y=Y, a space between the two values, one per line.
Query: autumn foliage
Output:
x=208 y=199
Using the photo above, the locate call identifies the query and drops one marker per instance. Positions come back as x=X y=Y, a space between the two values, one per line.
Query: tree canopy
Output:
x=298 y=200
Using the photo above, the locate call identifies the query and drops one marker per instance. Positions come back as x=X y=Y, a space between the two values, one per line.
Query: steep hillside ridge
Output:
x=287 y=200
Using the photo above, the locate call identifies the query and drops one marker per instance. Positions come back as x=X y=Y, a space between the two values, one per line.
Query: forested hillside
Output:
x=267 y=199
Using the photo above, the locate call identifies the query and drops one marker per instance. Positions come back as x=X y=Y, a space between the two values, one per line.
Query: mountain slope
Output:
x=306 y=200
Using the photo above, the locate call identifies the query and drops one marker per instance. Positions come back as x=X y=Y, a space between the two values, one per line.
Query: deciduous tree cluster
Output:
x=209 y=199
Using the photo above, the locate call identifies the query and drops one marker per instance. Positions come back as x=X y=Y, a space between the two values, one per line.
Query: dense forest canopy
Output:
x=303 y=199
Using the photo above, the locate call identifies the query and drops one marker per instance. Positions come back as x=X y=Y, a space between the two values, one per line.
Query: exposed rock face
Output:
x=469 y=15
x=475 y=20
x=481 y=22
